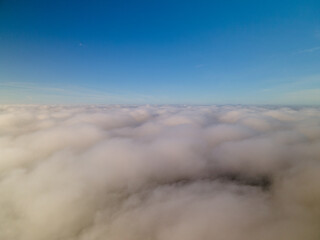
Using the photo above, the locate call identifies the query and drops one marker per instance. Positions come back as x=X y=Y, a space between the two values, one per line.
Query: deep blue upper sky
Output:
x=198 y=52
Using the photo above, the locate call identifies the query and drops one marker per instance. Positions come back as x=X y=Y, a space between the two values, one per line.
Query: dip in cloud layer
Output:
x=159 y=173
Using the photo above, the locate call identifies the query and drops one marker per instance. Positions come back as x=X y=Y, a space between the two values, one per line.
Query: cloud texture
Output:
x=159 y=173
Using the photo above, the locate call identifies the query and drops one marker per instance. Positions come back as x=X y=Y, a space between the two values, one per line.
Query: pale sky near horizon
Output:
x=160 y=52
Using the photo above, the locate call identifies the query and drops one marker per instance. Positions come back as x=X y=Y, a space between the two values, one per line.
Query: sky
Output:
x=160 y=52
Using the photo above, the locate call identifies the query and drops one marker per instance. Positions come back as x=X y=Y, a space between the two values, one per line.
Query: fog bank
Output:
x=159 y=173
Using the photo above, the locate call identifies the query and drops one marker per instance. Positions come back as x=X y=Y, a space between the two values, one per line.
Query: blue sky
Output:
x=160 y=52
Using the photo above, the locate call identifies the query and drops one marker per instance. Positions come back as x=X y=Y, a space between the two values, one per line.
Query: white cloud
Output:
x=159 y=172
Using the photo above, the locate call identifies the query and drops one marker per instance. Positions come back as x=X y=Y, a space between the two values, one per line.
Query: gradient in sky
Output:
x=160 y=52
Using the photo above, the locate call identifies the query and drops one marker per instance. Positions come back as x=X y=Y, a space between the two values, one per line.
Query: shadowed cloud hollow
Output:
x=159 y=173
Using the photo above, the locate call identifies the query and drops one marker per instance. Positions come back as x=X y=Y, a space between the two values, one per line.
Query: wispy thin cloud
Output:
x=29 y=86
x=199 y=65
x=308 y=50
x=73 y=93
x=294 y=90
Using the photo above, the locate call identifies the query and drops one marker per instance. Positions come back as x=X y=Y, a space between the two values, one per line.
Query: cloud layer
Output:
x=159 y=173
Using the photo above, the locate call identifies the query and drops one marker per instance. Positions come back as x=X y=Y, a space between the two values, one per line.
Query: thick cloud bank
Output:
x=159 y=173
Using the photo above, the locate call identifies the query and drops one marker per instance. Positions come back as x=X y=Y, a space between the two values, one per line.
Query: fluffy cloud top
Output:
x=159 y=173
